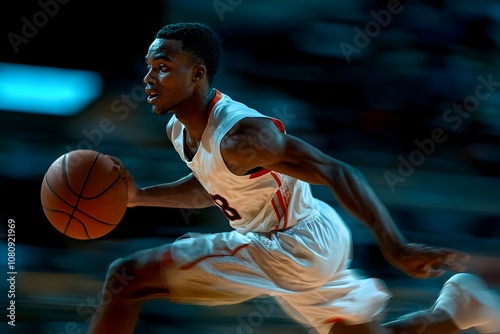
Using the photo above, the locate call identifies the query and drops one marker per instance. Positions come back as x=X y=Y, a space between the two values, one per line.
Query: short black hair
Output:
x=199 y=40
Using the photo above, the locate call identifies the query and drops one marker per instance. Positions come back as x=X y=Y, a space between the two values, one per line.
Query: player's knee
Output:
x=137 y=276
x=123 y=278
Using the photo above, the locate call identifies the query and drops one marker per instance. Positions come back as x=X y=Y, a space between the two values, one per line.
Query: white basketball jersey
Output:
x=261 y=201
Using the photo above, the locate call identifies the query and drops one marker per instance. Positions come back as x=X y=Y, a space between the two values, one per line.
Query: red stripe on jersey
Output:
x=261 y=172
x=276 y=210
x=279 y=196
x=334 y=320
x=276 y=178
x=283 y=207
x=215 y=99
x=279 y=124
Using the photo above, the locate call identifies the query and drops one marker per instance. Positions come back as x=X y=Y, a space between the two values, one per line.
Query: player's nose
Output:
x=149 y=78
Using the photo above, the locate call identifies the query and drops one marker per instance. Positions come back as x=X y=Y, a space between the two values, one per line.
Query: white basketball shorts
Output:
x=305 y=268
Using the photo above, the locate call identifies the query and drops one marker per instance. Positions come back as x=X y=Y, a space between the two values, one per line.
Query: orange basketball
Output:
x=83 y=195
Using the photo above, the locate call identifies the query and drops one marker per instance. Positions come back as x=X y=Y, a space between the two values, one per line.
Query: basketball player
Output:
x=285 y=243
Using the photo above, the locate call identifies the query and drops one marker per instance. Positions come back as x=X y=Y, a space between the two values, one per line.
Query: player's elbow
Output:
x=343 y=176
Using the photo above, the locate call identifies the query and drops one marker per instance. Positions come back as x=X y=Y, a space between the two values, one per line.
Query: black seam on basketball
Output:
x=102 y=192
x=83 y=213
x=83 y=225
x=70 y=205
x=56 y=210
x=65 y=173
x=94 y=218
x=56 y=194
x=79 y=196
x=67 y=225
x=88 y=175
x=83 y=187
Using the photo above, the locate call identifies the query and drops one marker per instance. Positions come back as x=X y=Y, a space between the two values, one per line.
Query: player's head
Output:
x=199 y=40
x=182 y=62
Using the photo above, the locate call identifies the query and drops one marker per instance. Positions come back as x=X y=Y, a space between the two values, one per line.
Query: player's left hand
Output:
x=423 y=261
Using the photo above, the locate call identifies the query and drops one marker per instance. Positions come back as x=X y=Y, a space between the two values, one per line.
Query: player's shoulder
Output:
x=250 y=131
x=239 y=116
x=228 y=110
x=227 y=103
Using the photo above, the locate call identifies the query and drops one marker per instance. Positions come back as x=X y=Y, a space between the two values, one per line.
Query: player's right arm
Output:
x=186 y=192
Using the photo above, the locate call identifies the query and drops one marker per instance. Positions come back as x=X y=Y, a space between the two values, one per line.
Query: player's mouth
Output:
x=152 y=96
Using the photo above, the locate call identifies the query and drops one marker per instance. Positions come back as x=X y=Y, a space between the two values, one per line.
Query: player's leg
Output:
x=436 y=322
x=196 y=269
x=464 y=302
x=368 y=328
x=424 y=322
x=129 y=282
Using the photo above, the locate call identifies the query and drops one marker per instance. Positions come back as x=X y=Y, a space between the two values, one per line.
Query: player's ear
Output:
x=199 y=72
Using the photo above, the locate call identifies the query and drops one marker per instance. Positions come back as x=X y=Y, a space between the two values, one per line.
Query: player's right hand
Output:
x=133 y=189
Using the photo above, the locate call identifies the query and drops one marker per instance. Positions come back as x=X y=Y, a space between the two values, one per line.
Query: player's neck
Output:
x=195 y=115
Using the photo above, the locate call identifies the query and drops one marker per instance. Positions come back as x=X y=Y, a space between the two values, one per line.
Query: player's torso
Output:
x=260 y=201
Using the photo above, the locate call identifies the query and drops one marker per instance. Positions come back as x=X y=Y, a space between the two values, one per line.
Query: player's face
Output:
x=169 y=78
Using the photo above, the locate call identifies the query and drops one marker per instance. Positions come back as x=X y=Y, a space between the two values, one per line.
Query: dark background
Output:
x=284 y=59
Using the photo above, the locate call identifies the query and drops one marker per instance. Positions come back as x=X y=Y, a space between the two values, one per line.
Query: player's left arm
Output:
x=256 y=142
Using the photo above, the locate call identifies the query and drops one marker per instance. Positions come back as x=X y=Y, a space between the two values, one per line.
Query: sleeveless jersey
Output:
x=261 y=201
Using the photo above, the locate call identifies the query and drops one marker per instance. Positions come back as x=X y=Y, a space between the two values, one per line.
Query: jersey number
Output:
x=222 y=203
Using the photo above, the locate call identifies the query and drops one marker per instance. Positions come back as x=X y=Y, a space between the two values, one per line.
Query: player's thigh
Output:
x=367 y=328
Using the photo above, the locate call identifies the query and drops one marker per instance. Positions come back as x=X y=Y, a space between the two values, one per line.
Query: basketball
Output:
x=83 y=196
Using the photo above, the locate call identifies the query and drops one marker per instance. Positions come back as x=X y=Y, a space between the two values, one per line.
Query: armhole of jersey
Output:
x=279 y=124
x=259 y=171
